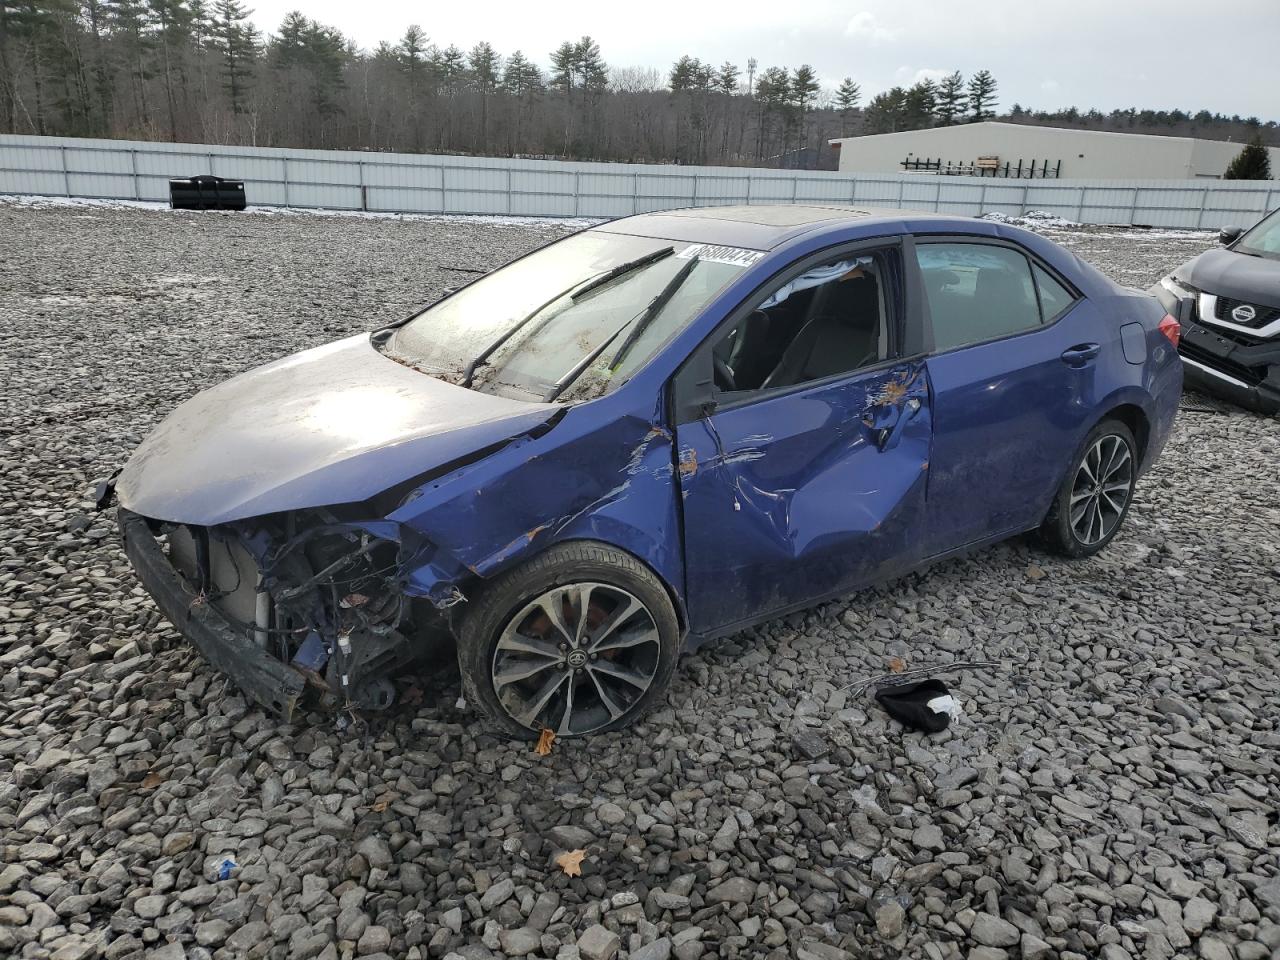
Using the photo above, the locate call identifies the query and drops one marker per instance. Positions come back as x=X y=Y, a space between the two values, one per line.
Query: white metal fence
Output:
x=413 y=183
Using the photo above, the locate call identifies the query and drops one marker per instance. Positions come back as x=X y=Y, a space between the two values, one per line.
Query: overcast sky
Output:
x=1160 y=54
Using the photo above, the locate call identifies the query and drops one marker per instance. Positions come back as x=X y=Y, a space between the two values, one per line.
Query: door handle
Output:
x=890 y=436
x=1080 y=354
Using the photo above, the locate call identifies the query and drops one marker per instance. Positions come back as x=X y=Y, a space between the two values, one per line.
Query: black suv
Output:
x=1228 y=302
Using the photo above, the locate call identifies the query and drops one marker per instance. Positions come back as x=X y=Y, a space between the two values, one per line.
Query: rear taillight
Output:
x=1171 y=329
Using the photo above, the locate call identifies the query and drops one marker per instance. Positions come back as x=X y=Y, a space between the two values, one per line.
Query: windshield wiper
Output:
x=651 y=311
x=575 y=294
x=595 y=283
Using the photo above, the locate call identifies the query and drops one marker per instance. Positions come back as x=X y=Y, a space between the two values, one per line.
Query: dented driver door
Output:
x=796 y=497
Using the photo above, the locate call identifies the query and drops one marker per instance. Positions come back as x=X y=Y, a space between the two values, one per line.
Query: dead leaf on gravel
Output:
x=151 y=781
x=571 y=862
x=545 y=740
x=896 y=665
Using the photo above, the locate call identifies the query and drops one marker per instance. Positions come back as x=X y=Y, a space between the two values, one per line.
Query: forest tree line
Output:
x=199 y=71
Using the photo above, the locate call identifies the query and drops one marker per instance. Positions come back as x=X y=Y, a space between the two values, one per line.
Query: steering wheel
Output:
x=724 y=374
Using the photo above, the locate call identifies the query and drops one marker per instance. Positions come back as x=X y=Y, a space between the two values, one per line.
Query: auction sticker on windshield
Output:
x=713 y=253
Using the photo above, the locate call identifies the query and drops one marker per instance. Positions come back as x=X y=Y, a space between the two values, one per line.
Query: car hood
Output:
x=1226 y=274
x=336 y=424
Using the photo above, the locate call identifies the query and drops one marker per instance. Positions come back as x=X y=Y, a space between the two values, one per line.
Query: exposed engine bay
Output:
x=318 y=593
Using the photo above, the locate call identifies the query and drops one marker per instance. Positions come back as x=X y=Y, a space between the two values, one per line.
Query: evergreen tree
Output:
x=919 y=105
x=887 y=112
x=485 y=66
x=520 y=76
x=593 y=73
x=172 y=20
x=982 y=96
x=130 y=23
x=951 y=99
x=848 y=95
x=564 y=60
x=236 y=42
x=727 y=78
x=1251 y=163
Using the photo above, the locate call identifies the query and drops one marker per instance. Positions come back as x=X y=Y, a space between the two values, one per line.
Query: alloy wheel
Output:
x=576 y=658
x=1101 y=489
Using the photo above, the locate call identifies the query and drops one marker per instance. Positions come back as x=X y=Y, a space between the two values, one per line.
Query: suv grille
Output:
x=1262 y=315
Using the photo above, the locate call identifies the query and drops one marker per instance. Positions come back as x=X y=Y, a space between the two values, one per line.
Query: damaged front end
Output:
x=315 y=598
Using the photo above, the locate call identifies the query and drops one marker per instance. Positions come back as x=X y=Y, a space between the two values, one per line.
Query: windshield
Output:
x=1263 y=239
x=556 y=324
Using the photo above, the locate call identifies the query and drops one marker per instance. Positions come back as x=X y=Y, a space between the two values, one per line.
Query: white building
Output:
x=1077 y=154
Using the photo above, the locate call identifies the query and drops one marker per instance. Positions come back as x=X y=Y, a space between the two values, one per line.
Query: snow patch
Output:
x=1033 y=219
x=475 y=219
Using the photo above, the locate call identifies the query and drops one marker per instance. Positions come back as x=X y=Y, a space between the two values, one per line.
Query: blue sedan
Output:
x=647 y=434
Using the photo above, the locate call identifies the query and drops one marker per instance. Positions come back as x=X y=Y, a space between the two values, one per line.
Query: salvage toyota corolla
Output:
x=652 y=432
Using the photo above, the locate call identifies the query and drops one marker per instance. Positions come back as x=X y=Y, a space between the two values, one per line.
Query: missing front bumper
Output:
x=267 y=680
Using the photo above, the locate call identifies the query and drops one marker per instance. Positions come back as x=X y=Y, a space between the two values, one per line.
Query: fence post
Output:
x=1080 y=205
x=66 y=177
x=133 y=165
x=577 y=190
x=695 y=190
x=508 y=190
x=795 y=187
x=284 y=165
x=1204 y=199
x=1133 y=207
x=364 y=194
x=901 y=184
x=937 y=195
x=1025 y=188
x=982 y=200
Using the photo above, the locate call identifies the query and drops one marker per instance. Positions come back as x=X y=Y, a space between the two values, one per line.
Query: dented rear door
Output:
x=795 y=497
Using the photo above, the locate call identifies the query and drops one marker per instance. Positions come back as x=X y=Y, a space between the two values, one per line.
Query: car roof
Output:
x=760 y=226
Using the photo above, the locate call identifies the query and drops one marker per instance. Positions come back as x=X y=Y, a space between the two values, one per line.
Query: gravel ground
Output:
x=1110 y=790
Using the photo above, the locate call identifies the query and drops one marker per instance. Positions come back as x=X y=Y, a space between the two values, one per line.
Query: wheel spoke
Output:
x=625 y=609
x=619 y=672
x=1119 y=459
x=615 y=711
x=566 y=718
x=541 y=698
x=633 y=638
x=553 y=606
x=513 y=670
x=581 y=610
x=519 y=643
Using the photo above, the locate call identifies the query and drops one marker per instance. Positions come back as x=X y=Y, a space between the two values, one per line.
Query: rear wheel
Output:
x=580 y=640
x=1095 y=495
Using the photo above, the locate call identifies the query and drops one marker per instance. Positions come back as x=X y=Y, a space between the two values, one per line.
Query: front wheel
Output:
x=1095 y=495
x=579 y=640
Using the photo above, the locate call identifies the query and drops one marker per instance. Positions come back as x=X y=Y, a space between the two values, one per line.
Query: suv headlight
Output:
x=1179 y=288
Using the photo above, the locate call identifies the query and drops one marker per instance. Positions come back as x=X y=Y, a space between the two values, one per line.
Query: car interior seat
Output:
x=841 y=333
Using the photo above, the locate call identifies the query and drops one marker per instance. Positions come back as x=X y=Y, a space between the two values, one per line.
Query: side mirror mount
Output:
x=693 y=389
x=1229 y=235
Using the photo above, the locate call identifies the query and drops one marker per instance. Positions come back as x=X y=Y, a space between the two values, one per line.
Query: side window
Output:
x=832 y=318
x=1054 y=297
x=976 y=292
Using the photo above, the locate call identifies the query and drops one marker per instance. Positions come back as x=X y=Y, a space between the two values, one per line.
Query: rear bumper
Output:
x=259 y=675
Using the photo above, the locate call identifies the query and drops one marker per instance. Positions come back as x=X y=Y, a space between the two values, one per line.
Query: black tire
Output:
x=496 y=605
x=1058 y=531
